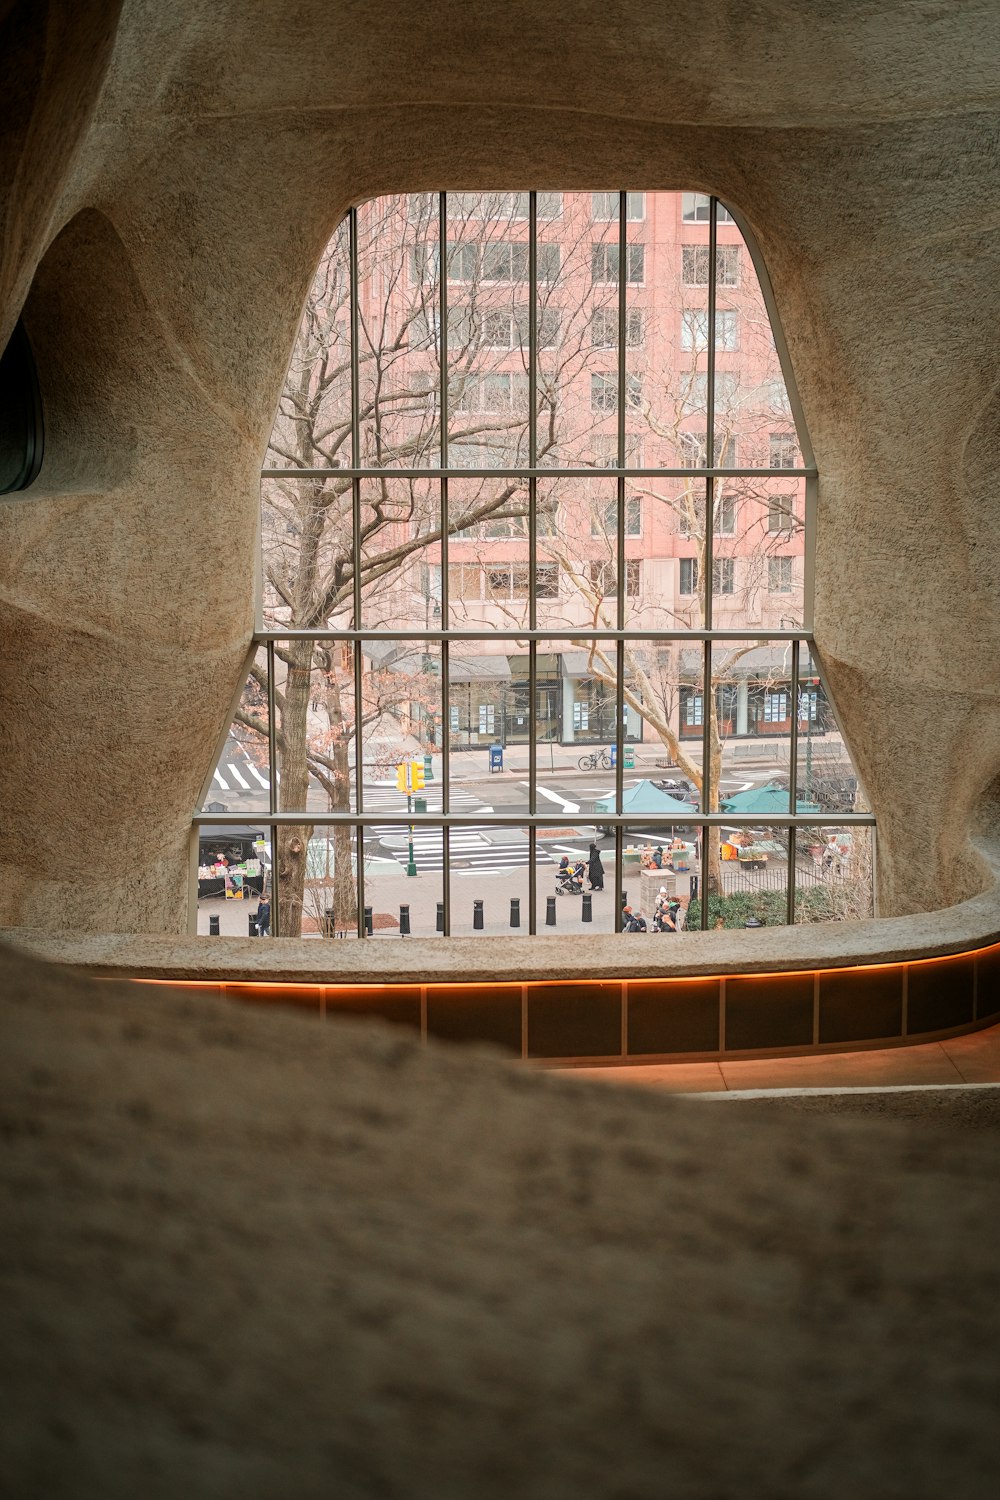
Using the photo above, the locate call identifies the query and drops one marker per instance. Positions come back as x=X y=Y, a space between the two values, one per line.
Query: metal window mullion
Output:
x=359 y=785
x=793 y=738
x=525 y=471
x=522 y=633
x=272 y=790
x=809 y=551
x=445 y=602
x=359 y=832
x=707 y=707
x=532 y=551
x=620 y=519
x=793 y=780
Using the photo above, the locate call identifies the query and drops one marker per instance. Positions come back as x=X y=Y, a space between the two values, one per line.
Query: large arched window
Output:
x=536 y=537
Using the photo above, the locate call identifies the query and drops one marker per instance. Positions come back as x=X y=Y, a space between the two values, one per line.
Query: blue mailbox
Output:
x=496 y=758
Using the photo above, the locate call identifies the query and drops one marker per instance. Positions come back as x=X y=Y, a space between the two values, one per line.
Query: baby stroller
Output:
x=569 y=881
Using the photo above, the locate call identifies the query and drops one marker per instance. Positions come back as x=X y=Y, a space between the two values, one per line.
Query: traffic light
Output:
x=417 y=775
x=402 y=785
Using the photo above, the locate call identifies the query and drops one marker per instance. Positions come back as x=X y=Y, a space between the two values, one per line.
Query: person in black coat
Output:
x=595 y=870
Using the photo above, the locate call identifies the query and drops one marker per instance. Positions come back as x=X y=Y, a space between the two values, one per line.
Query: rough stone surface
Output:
x=248 y=1255
x=174 y=174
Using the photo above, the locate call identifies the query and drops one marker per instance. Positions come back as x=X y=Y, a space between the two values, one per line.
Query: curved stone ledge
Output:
x=957 y=929
x=603 y=999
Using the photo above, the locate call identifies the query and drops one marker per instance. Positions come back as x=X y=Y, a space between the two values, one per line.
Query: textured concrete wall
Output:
x=164 y=230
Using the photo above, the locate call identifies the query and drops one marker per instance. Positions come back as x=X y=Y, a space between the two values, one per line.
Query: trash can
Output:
x=496 y=758
x=420 y=804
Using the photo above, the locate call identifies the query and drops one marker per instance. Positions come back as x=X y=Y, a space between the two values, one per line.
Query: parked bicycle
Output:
x=597 y=759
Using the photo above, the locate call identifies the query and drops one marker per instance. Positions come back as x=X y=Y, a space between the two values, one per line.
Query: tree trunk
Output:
x=293 y=842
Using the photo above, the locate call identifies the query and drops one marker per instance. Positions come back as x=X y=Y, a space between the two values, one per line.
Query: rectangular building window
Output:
x=783 y=450
x=604 y=328
x=696 y=209
x=604 y=392
x=694 y=265
x=694 y=329
x=724 y=575
x=605 y=261
x=604 y=206
x=688 y=575
x=779 y=575
x=781 y=513
x=775 y=707
x=603 y=578
x=604 y=519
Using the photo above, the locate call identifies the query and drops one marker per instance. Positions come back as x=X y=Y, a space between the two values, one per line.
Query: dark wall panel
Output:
x=574 y=1020
x=939 y=995
x=858 y=1005
x=773 y=1010
x=678 y=1016
x=476 y=1013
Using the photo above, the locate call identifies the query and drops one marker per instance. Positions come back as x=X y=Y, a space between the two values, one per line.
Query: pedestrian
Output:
x=264 y=917
x=658 y=856
x=595 y=870
x=631 y=921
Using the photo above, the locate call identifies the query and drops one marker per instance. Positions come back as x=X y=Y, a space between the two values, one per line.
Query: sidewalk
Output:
x=958 y=1061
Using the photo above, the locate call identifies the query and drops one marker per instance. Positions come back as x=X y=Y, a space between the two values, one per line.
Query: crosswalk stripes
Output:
x=385 y=799
x=469 y=851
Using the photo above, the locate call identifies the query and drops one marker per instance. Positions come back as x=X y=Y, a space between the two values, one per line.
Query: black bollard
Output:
x=440 y=917
x=477 y=916
x=213 y=927
x=368 y=921
x=252 y=924
x=404 y=921
x=587 y=914
x=515 y=911
x=550 y=911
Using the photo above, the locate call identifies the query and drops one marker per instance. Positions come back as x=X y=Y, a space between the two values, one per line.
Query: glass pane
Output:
x=306 y=539
x=660 y=865
x=751 y=723
x=577 y=578
x=312 y=429
x=833 y=874
x=402 y=723
x=489 y=726
x=329 y=896
x=754 y=875
x=826 y=775
x=577 y=383
x=488 y=294
x=400 y=554
x=488 y=553
x=576 y=891
x=759 y=553
x=242 y=775
x=403 y=865
x=398 y=317
x=234 y=875
x=314 y=686
x=489 y=871
x=753 y=416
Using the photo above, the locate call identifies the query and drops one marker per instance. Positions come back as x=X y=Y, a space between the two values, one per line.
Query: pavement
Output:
x=958 y=1062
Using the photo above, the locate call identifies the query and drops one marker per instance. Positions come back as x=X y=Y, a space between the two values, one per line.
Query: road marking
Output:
x=254 y=772
x=237 y=777
x=567 y=806
x=224 y=784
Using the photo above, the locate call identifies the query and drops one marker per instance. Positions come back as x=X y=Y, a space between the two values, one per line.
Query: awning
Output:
x=478 y=668
x=765 y=663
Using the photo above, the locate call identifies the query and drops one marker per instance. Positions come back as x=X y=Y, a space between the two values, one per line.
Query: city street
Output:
x=487 y=864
